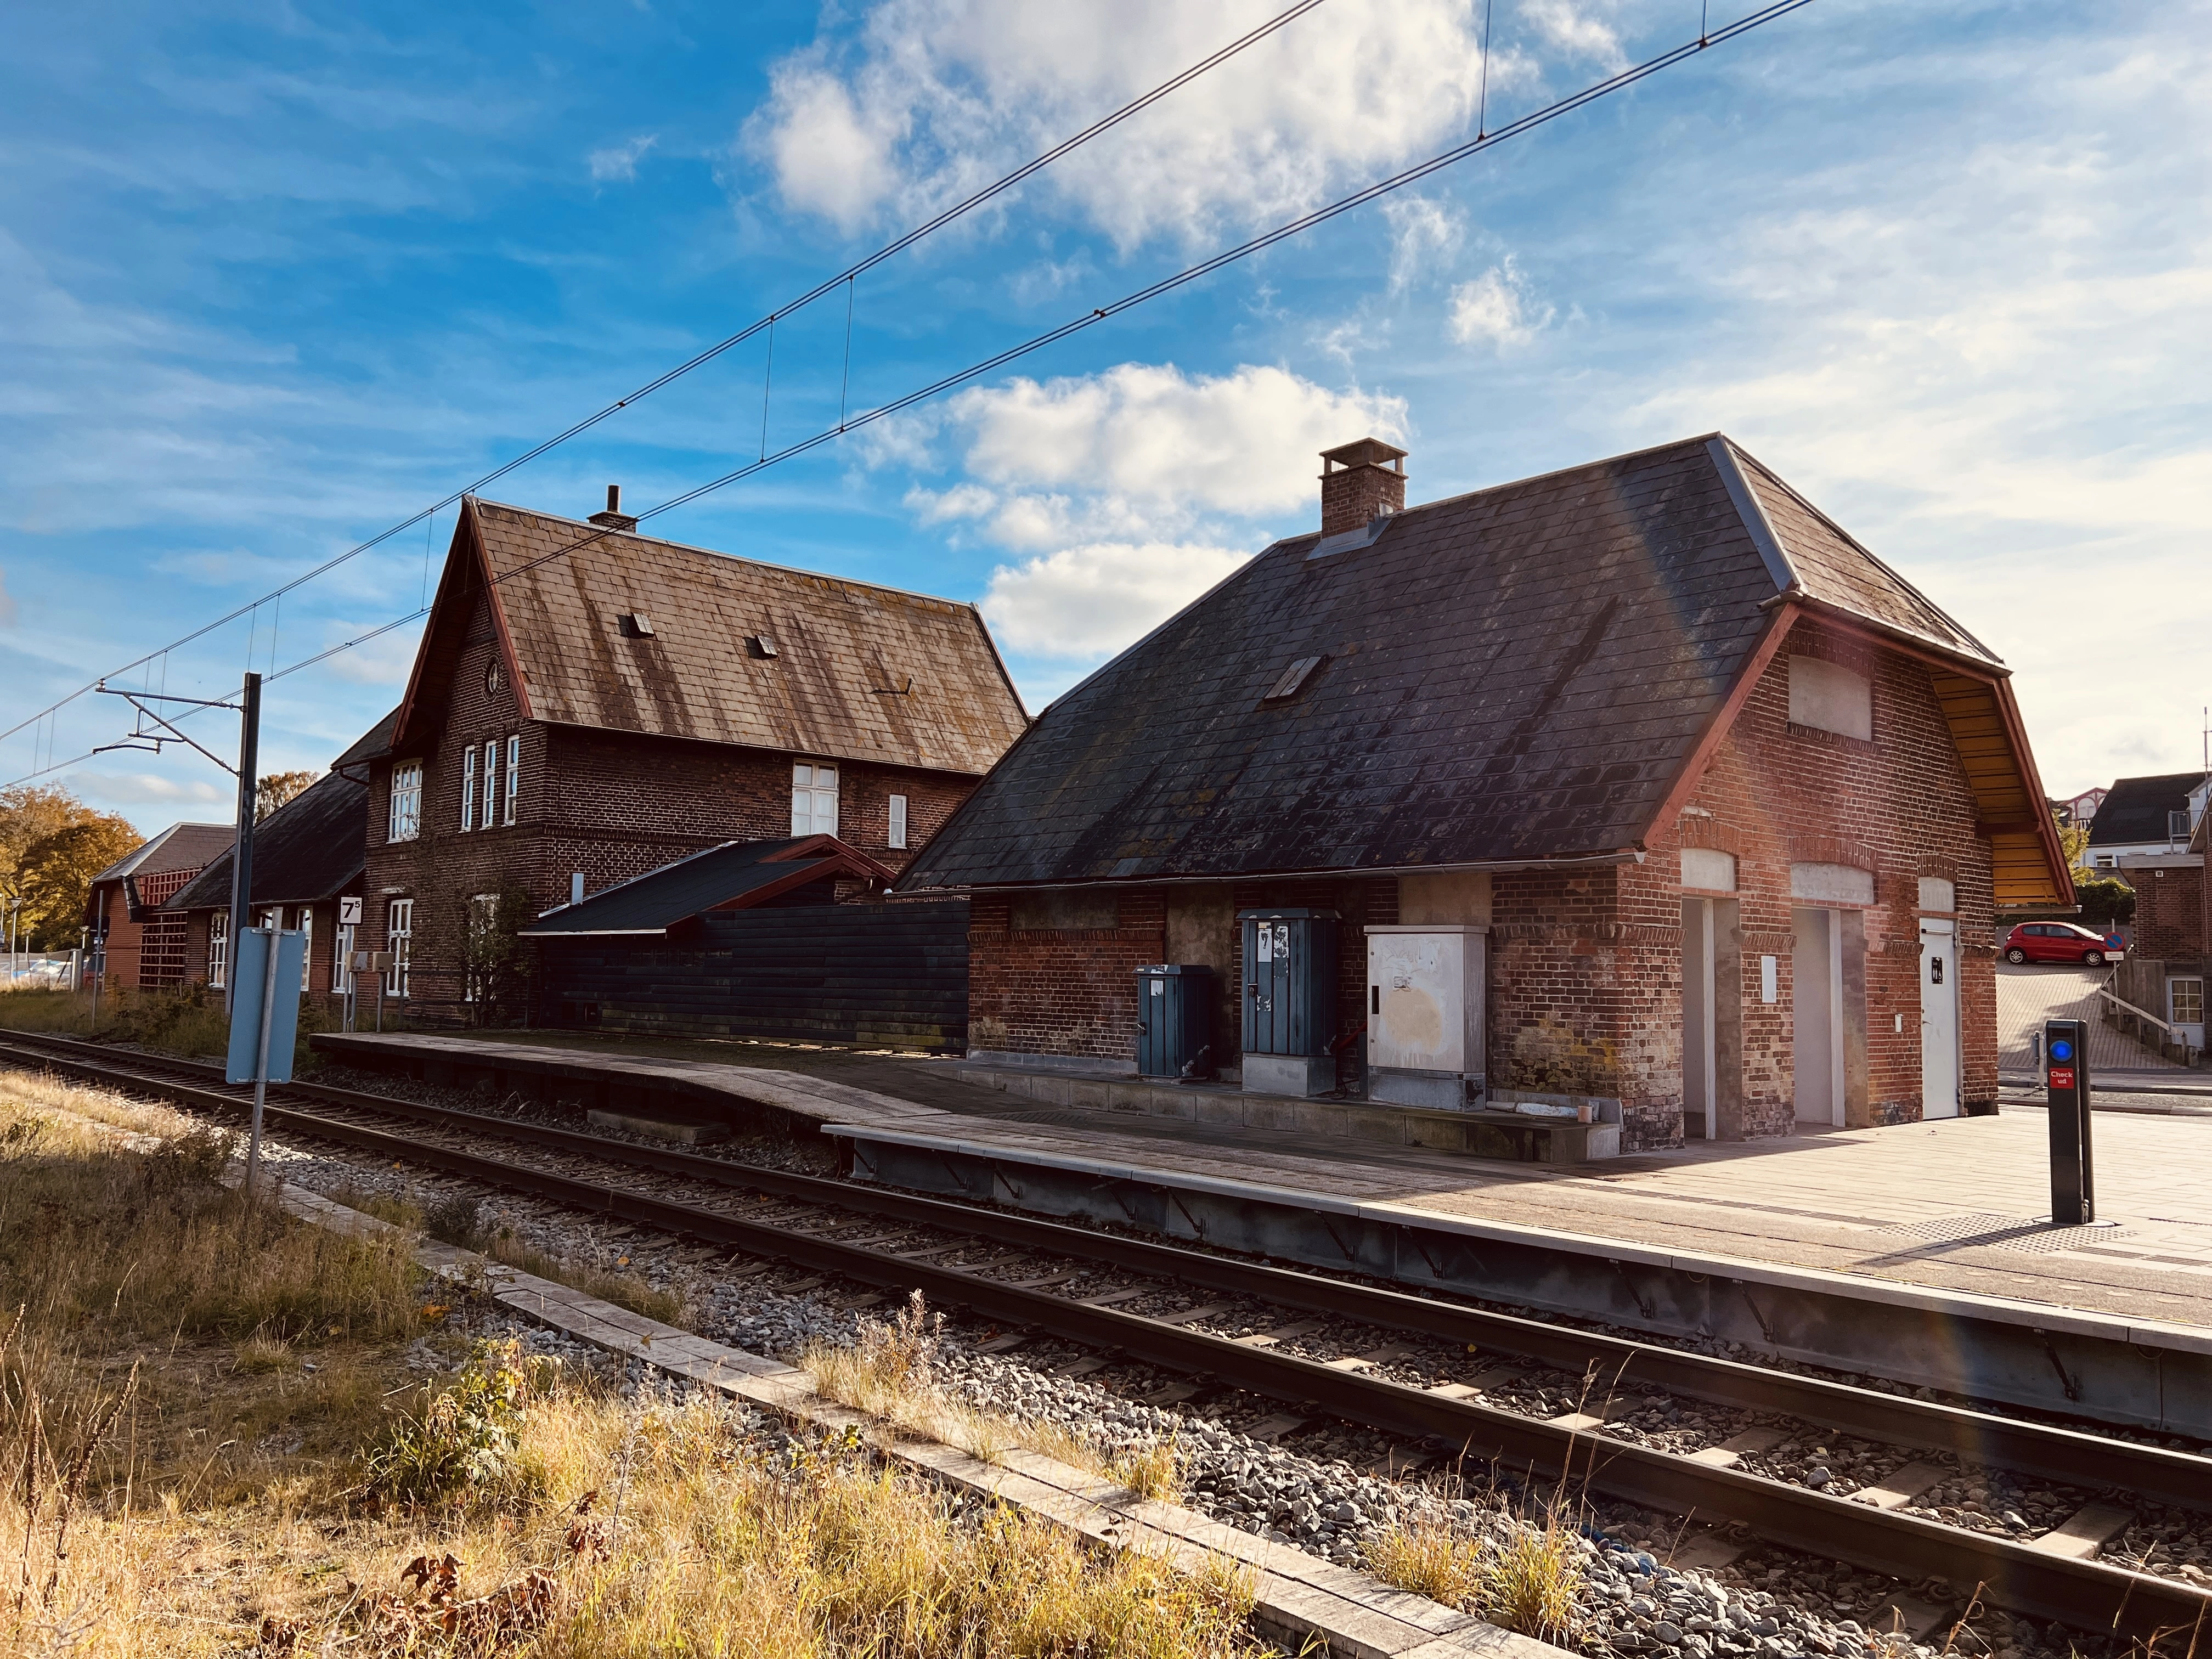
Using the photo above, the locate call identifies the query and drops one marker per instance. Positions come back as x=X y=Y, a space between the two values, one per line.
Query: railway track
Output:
x=899 y=1242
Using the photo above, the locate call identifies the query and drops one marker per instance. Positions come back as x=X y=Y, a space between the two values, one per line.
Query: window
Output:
x=406 y=801
x=813 y=799
x=491 y=783
x=1832 y=883
x=2185 y=999
x=218 y=949
x=341 y=960
x=1937 y=894
x=307 y=947
x=2176 y=826
x=2108 y=861
x=483 y=927
x=897 y=837
x=514 y=774
x=468 y=789
x=399 y=934
x=1828 y=698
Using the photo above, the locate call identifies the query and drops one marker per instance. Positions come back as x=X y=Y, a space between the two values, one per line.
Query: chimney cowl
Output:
x=1360 y=482
x=614 y=518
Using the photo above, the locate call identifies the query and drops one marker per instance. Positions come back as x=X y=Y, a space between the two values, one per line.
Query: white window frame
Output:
x=514 y=774
x=491 y=783
x=2174 y=1014
x=218 y=950
x=400 y=939
x=406 y=818
x=307 y=950
x=808 y=795
x=341 y=960
x=894 y=836
x=468 y=789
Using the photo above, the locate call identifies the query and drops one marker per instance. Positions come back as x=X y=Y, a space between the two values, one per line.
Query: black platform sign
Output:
x=2066 y=1079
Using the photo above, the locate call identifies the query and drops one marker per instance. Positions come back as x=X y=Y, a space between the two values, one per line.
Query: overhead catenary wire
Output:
x=1413 y=174
x=891 y=249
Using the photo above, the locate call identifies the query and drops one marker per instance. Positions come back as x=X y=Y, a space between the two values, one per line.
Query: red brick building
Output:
x=308 y=860
x=1703 y=808
x=147 y=947
x=589 y=704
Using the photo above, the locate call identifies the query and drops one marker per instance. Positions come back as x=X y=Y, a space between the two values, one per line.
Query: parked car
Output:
x=2056 y=941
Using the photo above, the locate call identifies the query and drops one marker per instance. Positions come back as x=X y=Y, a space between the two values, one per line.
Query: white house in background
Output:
x=2140 y=817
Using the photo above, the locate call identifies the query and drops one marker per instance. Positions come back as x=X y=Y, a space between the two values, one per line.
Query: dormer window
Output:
x=636 y=625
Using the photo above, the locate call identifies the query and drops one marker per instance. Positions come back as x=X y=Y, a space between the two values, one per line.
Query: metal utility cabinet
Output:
x=1425 y=1014
x=1173 y=1020
x=1289 y=1000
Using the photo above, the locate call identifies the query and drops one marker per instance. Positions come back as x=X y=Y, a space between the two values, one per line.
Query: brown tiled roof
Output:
x=1522 y=673
x=179 y=847
x=861 y=673
x=1832 y=569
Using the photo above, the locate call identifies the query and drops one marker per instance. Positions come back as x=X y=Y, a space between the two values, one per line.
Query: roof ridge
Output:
x=602 y=532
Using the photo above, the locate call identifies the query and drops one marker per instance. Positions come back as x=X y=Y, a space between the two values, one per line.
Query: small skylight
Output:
x=636 y=625
x=1293 y=678
x=759 y=645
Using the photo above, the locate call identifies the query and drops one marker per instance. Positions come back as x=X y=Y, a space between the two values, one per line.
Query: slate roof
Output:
x=312 y=847
x=1517 y=674
x=179 y=847
x=861 y=673
x=2135 y=808
x=735 y=875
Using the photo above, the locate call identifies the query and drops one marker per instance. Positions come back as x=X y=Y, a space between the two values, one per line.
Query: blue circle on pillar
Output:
x=2062 y=1049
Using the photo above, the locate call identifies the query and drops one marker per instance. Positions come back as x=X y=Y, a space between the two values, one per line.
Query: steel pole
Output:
x=261 y=1062
x=241 y=855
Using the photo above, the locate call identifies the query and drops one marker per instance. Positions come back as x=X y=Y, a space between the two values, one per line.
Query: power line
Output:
x=891 y=249
x=1166 y=284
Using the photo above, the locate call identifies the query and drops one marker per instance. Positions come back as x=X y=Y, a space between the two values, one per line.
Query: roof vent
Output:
x=759 y=645
x=1293 y=679
x=1359 y=482
x=636 y=625
x=614 y=518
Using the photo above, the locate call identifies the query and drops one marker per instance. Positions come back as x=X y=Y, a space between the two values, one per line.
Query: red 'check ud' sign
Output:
x=2062 y=1077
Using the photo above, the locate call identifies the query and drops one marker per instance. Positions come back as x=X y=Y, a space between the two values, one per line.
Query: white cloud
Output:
x=1498 y=308
x=385 y=660
x=933 y=98
x=1424 y=233
x=1577 y=31
x=141 y=788
x=619 y=161
x=1085 y=603
x=1146 y=444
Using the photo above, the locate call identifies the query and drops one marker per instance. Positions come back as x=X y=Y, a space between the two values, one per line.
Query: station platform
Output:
x=1950 y=1204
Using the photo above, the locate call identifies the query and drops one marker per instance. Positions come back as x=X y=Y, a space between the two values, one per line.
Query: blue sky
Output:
x=273 y=277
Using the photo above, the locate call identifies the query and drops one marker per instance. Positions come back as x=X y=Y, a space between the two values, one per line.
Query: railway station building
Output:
x=1639 y=794
x=589 y=705
x=146 y=948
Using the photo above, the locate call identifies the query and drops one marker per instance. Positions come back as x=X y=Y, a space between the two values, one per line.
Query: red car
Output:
x=2056 y=941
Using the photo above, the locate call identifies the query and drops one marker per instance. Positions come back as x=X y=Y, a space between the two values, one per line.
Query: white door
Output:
x=2185 y=1009
x=1816 y=1010
x=1939 y=1019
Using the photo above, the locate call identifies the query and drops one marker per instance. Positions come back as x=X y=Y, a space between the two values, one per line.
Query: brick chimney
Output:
x=615 y=519
x=1360 y=482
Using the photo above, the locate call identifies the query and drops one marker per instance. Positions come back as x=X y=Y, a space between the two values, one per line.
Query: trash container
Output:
x=1175 y=1002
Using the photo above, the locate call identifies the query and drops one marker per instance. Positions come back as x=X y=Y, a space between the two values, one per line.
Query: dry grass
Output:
x=206 y=1454
x=1528 y=1578
x=891 y=1373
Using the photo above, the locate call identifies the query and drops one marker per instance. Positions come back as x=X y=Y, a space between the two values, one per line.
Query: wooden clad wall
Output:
x=888 y=974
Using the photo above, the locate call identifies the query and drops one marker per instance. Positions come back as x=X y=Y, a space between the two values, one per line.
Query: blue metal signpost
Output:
x=2066 y=1080
x=264 y=1021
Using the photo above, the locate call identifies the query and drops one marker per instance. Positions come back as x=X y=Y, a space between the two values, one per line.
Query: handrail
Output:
x=2140 y=1013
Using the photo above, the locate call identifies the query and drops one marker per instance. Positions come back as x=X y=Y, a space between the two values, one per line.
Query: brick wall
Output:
x=1060 y=991
x=2169 y=921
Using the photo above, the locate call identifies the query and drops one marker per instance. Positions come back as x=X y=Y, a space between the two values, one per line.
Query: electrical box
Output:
x=1290 y=981
x=1175 y=1003
x=1425 y=986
